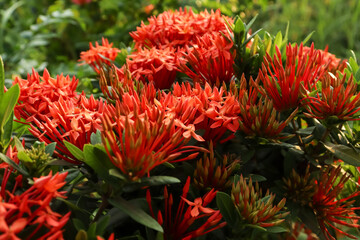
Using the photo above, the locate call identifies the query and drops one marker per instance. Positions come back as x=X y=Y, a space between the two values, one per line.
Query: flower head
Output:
x=30 y=212
x=329 y=209
x=177 y=28
x=36 y=94
x=99 y=55
x=285 y=85
x=178 y=226
x=338 y=99
x=252 y=207
x=154 y=65
x=70 y=121
x=210 y=60
x=81 y=2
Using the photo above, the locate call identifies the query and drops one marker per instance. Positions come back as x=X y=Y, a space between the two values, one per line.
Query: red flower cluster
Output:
x=286 y=86
x=29 y=214
x=99 y=55
x=178 y=28
x=339 y=98
x=177 y=227
x=331 y=210
x=154 y=65
x=210 y=59
x=73 y=121
x=36 y=94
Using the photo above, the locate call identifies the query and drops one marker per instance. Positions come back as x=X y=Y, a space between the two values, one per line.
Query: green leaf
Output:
x=345 y=153
x=239 y=26
x=95 y=138
x=137 y=214
x=257 y=178
x=277 y=229
x=8 y=130
x=50 y=148
x=308 y=37
x=278 y=40
x=14 y=165
x=102 y=225
x=24 y=157
x=2 y=77
x=74 y=150
x=227 y=208
x=7 y=104
x=96 y=157
x=151 y=181
x=309 y=218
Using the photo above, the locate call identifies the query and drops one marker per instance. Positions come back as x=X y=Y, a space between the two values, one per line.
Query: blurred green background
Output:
x=51 y=34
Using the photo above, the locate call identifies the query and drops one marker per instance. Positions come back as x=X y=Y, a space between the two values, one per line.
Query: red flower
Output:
x=339 y=99
x=331 y=210
x=329 y=61
x=178 y=226
x=99 y=55
x=178 y=28
x=154 y=65
x=286 y=86
x=258 y=117
x=210 y=60
x=81 y=2
x=299 y=230
x=70 y=121
x=138 y=143
x=36 y=94
x=30 y=211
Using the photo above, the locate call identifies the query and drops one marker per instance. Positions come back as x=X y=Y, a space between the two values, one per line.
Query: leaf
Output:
x=277 y=229
x=50 y=148
x=7 y=104
x=308 y=37
x=309 y=218
x=2 y=77
x=151 y=181
x=345 y=153
x=227 y=208
x=24 y=157
x=78 y=224
x=14 y=165
x=74 y=150
x=95 y=138
x=257 y=178
x=102 y=225
x=137 y=214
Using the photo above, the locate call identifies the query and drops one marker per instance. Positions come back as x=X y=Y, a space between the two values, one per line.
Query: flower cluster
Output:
x=29 y=215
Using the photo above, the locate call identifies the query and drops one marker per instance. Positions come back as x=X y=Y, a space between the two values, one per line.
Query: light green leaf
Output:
x=7 y=104
x=74 y=150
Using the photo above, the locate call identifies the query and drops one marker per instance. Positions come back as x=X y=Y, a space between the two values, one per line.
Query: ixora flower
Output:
x=258 y=117
x=81 y=2
x=154 y=65
x=138 y=143
x=99 y=55
x=210 y=60
x=329 y=61
x=29 y=215
x=253 y=208
x=36 y=94
x=331 y=211
x=286 y=86
x=178 y=28
x=339 y=99
x=188 y=223
x=70 y=121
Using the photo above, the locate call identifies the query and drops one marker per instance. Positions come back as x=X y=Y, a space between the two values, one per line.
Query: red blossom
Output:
x=99 y=55
x=36 y=94
x=178 y=28
x=339 y=98
x=331 y=210
x=31 y=212
x=210 y=60
x=154 y=65
x=178 y=226
x=81 y=2
x=71 y=121
x=137 y=143
x=286 y=85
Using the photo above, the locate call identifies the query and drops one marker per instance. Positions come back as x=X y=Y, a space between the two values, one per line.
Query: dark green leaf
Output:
x=257 y=178
x=91 y=232
x=227 y=208
x=309 y=218
x=137 y=214
x=151 y=181
x=78 y=224
x=102 y=225
x=277 y=229
x=74 y=150
x=50 y=148
x=14 y=165
x=8 y=130
x=345 y=153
